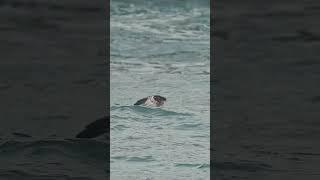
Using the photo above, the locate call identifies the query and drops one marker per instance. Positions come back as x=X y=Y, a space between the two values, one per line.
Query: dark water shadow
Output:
x=53 y=158
x=72 y=148
x=239 y=167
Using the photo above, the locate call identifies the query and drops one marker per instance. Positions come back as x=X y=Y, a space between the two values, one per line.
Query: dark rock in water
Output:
x=95 y=128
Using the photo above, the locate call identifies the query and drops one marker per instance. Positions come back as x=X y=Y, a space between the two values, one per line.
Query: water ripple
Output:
x=149 y=110
x=141 y=159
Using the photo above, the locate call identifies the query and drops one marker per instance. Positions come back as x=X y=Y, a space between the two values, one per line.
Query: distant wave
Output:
x=159 y=31
x=119 y=6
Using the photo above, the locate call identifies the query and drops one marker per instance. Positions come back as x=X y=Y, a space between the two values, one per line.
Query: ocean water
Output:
x=160 y=48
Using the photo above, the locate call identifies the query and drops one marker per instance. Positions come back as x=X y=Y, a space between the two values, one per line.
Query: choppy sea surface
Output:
x=160 y=48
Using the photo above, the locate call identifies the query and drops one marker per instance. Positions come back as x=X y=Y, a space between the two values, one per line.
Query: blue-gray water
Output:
x=160 y=47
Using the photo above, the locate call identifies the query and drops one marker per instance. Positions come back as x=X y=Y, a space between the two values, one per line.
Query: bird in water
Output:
x=102 y=125
x=155 y=100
